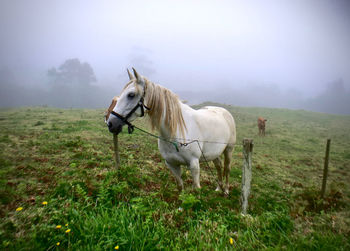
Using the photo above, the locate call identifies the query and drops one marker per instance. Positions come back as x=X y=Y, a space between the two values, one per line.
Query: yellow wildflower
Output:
x=58 y=243
x=67 y=231
x=231 y=241
x=19 y=209
x=116 y=247
x=66 y=225
x=44 y=203
x=58 y=226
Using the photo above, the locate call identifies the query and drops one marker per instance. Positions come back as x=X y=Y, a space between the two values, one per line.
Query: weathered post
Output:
x=246 y=173
x=325 y=169
x=115 y=137
x=116 y=151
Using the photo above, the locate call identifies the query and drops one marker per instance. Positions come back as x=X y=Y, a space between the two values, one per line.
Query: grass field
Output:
x=59 y=189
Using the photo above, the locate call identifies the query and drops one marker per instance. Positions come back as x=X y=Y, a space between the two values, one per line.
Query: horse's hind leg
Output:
x=194 y=167
x=176 y=170
x=227 y=167
x=218 y=165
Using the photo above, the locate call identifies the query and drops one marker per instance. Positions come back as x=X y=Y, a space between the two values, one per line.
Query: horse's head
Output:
x=129 y=105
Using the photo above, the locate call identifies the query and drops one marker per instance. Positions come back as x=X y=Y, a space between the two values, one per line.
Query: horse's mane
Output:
x=164 y=104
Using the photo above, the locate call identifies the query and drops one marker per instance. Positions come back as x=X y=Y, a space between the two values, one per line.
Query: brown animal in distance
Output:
x=261 y=126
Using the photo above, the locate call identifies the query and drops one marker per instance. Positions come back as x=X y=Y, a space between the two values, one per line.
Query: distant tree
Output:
x=72 y=72
x=71 y=85
x=336 y=88
x=335 y=99
x=8 y=87
x=141 y=59
x=6 y=76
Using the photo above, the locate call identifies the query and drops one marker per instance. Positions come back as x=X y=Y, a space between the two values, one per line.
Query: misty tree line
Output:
x=334 y=99
x=68 y=86
x=71 y=85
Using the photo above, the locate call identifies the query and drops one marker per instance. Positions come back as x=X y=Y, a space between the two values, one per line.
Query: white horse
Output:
x=211 y=129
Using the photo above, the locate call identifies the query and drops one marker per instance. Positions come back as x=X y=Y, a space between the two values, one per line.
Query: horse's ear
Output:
x=138 y=77
x=131 y=77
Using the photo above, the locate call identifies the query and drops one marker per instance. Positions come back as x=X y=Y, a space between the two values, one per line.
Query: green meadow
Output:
x=59 y=189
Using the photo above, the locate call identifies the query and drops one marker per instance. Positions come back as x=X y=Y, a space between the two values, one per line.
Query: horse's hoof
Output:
x=218 y=189
x=180 y=188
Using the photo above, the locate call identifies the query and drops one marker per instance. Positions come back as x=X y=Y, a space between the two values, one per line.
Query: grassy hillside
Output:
x=59 y=188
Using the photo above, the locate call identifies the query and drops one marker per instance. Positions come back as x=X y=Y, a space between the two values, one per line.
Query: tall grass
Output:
x=65 y=158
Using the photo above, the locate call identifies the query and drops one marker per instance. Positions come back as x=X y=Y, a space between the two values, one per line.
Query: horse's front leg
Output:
x=176 y=170
x=195 y=170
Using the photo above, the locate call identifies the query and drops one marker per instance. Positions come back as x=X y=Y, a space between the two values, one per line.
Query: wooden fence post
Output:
x=325 y=169
x=116 y=151
x=246 y=173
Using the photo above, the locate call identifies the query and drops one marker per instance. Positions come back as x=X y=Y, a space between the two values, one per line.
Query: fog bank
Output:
x=273 y=53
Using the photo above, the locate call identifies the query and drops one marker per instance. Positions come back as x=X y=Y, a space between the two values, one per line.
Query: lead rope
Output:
x=174 y=143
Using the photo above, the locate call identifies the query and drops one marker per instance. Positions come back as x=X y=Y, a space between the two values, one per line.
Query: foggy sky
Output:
x=284 y=45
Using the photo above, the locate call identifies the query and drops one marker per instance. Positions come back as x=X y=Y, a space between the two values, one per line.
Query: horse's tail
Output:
x=231 y=123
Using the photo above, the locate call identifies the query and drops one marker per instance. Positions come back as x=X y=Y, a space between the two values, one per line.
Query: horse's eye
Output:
x=131 y=95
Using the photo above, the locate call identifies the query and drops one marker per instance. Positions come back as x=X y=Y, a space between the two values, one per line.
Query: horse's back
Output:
x=217 y=122
x=219 y=112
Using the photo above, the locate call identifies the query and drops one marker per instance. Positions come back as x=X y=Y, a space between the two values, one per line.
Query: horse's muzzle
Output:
x=115 y=127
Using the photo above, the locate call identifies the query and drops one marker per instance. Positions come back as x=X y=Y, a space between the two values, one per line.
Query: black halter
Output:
x=125 y=119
